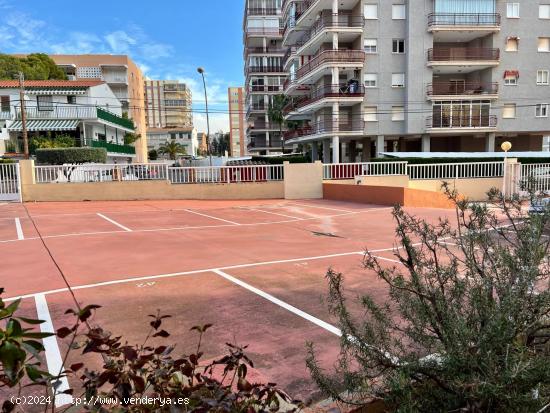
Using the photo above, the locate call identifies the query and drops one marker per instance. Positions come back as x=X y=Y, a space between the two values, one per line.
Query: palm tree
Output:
x=276 y=115
x=172 y=149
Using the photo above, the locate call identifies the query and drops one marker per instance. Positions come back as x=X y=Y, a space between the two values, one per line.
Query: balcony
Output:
x=255 y=108
x=264 y=32
x=466 y=90
x=347 y=26
x=462 y=123
x=462 y=27
x=352 y=59
x=261 y=125
x=345 y=95
x=462 y=59
x=265 y=89
x=263 y=69
x=256 y=11
x=5 y=115
x=324 y=129
x=114 y=148
x=263 y=51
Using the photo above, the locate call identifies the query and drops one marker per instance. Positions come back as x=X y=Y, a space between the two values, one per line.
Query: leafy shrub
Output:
x=153 y=155
x=6 y=161
x=62 y=156
x=49 y=142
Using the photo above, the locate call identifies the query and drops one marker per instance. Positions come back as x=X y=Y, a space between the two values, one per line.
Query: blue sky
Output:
x=169 y=39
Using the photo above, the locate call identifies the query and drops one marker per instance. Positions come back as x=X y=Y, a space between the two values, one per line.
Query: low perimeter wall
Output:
x=386 y=195
x=150 y=190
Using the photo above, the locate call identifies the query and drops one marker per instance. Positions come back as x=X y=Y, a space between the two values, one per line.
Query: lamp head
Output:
x=200 y=70
x=506 y=146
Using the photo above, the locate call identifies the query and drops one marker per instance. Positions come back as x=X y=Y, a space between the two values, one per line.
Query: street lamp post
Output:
x=201 y=71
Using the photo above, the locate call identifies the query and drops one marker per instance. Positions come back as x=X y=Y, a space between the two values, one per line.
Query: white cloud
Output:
x=120 y=42
x=79 y=42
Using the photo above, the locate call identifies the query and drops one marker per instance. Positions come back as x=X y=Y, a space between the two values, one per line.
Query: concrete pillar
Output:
x=335 y=76
x=326 y=151
x=379 y=145
x=490 y=142
x=335 y=41
x=335 y=149
x=352 y=151
x=366 y=153
x=334 y=6
x=426 y=143
x=314 y=152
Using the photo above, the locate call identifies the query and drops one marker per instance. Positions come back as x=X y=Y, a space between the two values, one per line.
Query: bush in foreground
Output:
x=62 y=156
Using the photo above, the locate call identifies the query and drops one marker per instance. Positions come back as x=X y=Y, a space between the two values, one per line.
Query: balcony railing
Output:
x=332 y=91
x=263 y=50
x=264 y=31
x=332 y=21
x=262 y=125
x=264 y=69
x=324 y=126
x=466 y=88
x=114 y=148
x=332 y=56
x=464 y=19
x=255 y=11
x=5 y=115
x=466 y=121
x=289 y=52
x=265 y=88
x=452 y=54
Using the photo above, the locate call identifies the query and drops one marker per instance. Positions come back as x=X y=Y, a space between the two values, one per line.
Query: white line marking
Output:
x=53 y=354
x=273 y=213
x=211 y=217
x=280 y=303
x=114 y=222
x=20 y=235
x=320 y=207
x=179 y=274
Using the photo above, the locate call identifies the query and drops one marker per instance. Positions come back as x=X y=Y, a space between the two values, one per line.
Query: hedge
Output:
x=60 y=156
x=6 y=161
x=280 y=159
x=417 y=161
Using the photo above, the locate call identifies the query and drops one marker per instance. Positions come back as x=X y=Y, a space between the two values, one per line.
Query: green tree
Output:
x=36 y=66
x=172 y=149
x=275 y=114
x=153 y=155
x=466 y=327
x=131 y=138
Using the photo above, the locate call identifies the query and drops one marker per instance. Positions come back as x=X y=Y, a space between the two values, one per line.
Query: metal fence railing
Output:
x=100 y=173
x=10 y=188
x=535 y=177
x=456 y=170
x=226 y=174
x=351 y=170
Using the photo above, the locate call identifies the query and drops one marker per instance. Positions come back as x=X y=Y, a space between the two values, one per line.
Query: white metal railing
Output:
x=100 y=173
x=535 y=177
x=456 y=170
x=226 y=174
x=9 y=182
x=351 y=170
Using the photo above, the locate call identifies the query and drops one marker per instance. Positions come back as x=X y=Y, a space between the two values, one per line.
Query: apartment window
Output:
x=511 y=77
x=543 y=77
x=45 y=103
x=509 y=111
x=512 y=10
x=544 y=44
x=541 y=110
x=512 y=44
x=71 y=100
x=397 y=113
x=371 y=46
x=371 y=80
x=398 y=46
x=371 y=11
x=398 y=12
x=398 y=80
x=5 y=103
x=544 y=11
x=371 y=114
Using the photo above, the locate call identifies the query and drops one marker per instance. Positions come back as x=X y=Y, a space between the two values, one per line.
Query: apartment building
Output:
x=237 y=132
x=367 y=77
x=168 y=104
x=124 y=78
x=185 y=136
x=264 y=73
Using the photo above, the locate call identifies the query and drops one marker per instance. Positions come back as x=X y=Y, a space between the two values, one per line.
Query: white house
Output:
x=87 y=110
x=186 y=136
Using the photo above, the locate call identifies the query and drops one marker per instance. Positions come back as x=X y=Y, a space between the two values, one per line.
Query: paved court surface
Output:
x=254 y=269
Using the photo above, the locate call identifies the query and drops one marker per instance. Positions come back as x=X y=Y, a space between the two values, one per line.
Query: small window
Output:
x=371 y=80
x=397 y=113
x=371 y=114
x=544 y=11
x=5 y=103
x=398 y=12
x=541 y=110
x=544 y=44
x=398 y=46
x=509 y=111
x=45 y=103
x=371 y=46
x=398 y=80
x=510 y=78
x=71 y=100
x=512 y=44
x=371 y=11
x=543 y=77
x=512 y=10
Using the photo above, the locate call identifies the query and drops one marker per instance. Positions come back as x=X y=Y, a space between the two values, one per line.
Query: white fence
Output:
x=146 y=172
x=351 y=170
x=226 y=174
x=456 y=170
x=535 y=177
x=10 y=188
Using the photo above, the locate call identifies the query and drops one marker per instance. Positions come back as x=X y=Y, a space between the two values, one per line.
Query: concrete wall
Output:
x=303 y=181
x=473 y=189
x=398 y=181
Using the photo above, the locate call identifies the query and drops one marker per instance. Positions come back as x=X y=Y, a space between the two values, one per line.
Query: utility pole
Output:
x=23 y=114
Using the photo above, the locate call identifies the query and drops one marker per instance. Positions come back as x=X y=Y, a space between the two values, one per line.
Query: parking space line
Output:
x=52 y=351
x=211 y=217
x=20 y=235
x=329 y=327
x=114 y=222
